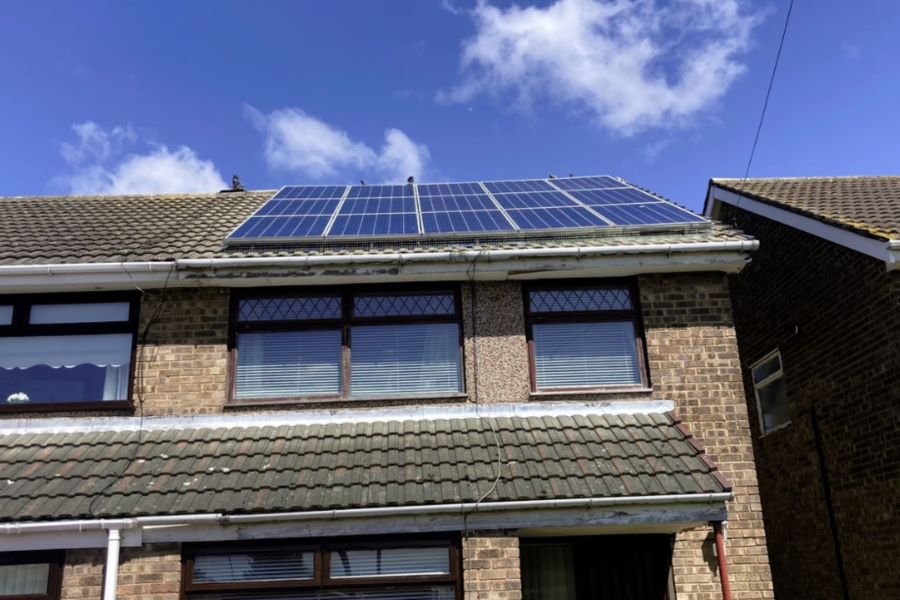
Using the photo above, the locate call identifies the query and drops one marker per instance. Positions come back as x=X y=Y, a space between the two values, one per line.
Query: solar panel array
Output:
x=303 y=213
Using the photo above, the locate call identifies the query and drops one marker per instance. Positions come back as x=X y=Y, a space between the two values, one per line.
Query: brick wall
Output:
x=693 y=358
x=844 y=363
x=83 y=575
x=153 y=571
x=491 y=566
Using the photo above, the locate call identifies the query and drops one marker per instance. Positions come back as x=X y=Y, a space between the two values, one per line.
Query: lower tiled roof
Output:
x=346 y=465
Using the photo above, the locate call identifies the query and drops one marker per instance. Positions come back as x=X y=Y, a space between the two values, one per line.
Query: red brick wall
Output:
x=845 y=364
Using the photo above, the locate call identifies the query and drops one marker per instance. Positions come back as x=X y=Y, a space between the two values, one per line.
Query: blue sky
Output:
x=113 y=97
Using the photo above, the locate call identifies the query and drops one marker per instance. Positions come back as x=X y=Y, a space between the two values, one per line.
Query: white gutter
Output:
x=351 y=513
x=461 y=255
x=111 y=577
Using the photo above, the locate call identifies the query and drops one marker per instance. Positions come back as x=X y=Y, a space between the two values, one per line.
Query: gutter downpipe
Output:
x=723 y=559
x=111 y=577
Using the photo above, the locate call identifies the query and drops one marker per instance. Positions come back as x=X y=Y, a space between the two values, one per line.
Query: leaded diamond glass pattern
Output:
x=404 y=306
x=580 y=300
x=295 y=308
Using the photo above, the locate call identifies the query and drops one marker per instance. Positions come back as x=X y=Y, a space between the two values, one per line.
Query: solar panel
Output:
x=309 y=213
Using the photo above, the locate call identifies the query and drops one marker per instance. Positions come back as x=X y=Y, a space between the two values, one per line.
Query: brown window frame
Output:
x=589 y=316
x=345 y=323
x=20 y=327
x=322 y=551
x=54 y=577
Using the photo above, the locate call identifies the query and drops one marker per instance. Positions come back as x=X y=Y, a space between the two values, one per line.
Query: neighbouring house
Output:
x=491 y=391
x=818 y=321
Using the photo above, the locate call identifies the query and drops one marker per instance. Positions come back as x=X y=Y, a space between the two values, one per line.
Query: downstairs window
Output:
x=31 y=575
x=66 y=352
x=377 y=570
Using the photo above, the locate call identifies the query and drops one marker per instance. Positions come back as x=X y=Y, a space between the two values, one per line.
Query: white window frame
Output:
x=779 y=374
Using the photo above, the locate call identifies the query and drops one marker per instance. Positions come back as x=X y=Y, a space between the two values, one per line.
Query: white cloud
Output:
x=629 y=65
x=299 y=143
x=99 y=165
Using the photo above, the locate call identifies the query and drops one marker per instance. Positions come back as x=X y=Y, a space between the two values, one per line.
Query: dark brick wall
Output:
x=843 y=364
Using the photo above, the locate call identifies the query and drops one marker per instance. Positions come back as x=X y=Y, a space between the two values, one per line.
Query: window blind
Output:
x=253 y=566
x=6 y=313
x=421 y=358
x=20 y=580
x=570 y=355
x=289 y=364
x=428 y=592
x=390 y=562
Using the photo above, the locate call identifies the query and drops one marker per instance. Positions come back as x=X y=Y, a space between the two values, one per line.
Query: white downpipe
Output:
x=111 y=579
x=351 y=513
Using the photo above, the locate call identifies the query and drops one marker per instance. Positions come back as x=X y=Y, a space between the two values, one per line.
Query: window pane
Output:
x=570 y=300
x=404 y=305
x=6 y=315
x=23 y=579
x=424 y=592
x=774 y=404
x=421 y=358
x=548 y=572
x=569 y=355
x=253 y=566
x=97 y=312
x=64 y=368
x=289 y=364
x=767 y=369
x=385 y=562
x=290 y=309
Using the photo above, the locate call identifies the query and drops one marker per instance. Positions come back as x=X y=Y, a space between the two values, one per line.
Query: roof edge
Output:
x=337 y=416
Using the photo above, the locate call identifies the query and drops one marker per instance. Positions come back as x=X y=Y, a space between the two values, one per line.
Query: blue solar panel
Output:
x=587 y=183
x=555 y=218
x=658 y=213
x=614 y=196
x=534 y=200
x=465 y=221
x=311 y=191
x=375 y=225
x=381 y=191
x=448 y=189
x=527 y=185
x=374 y=211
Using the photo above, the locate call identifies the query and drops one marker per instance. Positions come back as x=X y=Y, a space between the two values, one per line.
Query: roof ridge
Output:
x=173 y=195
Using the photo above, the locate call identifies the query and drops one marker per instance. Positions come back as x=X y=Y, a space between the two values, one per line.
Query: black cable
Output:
x=769 y=90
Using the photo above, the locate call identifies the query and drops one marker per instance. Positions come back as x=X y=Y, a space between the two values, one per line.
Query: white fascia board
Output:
x=884 y=250
x=336 y=416
x=457 y=265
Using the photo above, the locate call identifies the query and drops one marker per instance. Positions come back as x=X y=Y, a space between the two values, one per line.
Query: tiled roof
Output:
x=346 y=465
x=71 y=229
x=867 y=205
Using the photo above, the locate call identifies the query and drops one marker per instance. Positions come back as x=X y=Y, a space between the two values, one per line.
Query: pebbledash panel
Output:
x=453 y=210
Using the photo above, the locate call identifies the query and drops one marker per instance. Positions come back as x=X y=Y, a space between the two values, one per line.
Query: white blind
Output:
x=253 y=566
x=93 y=312
x=6 y=315
x=56 y=351
x=16 y=580
x=570 y=355
x=390 y=562
x=288 y=364
x=420 y=358
x=424 y=592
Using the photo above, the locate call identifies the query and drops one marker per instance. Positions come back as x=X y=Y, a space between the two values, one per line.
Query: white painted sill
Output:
x=591 y=392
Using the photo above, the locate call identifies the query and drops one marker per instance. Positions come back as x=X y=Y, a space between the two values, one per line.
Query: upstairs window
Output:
x=771 y=394
x=31 y=575
x=66 y=352
x=584 y=337
x=346 y=344
x=376 y=570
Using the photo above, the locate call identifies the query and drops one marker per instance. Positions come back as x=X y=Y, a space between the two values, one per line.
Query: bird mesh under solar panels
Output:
x=309 y=213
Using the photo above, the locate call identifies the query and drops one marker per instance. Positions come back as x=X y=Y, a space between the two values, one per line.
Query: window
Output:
x=626 y=567
x=30 y=575
x=346 y=344
x=584 y=337
x=66 y=352
x=771 y=395
x=378 y=570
